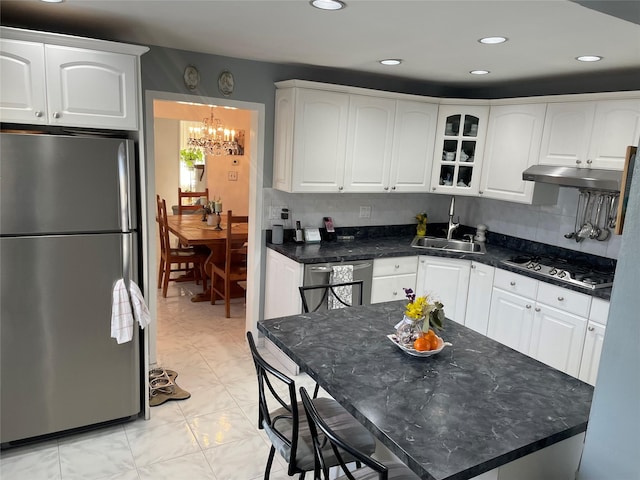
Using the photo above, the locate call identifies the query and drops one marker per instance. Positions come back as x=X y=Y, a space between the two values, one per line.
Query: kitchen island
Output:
x=476 y=406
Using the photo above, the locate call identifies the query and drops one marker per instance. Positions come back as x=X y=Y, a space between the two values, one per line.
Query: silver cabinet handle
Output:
x=340 y=188
x=396 y=266
x=537 y=309
x=578 y=162
x=386 y=189
x=513 y=284
x=589 y=162
x=395 y=293
x=38 y=113
x=393 y=188
x=528 y=306
x=433 y=189
x=480 y=192
x=561 y=299
x=473 y=266
x=56 y=115
x=591 y=329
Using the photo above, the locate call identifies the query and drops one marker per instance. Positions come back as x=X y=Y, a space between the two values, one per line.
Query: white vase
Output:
x=211 y=220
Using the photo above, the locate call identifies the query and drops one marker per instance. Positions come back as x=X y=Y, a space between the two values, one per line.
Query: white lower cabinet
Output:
x=283 y=277
x=479 y=297
x=557 y=338
x=511 y=320
x=593 y=341
x=543 y=321
x=391 y=276
x=446 y=279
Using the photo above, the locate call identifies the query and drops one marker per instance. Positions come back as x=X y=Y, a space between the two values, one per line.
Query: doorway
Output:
x=255 y=142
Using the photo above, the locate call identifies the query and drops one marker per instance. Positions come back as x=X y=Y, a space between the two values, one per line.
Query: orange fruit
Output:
x=431 y=334
x=421 y=344
x=433 y=343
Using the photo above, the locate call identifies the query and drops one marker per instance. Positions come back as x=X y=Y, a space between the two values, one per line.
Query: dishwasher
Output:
x=320 y=273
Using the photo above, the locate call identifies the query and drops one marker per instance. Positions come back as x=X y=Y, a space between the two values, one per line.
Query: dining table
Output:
x=193 y=231
x=475 y=408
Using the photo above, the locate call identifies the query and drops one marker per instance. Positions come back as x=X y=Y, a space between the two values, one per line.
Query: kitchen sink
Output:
x=432 y=243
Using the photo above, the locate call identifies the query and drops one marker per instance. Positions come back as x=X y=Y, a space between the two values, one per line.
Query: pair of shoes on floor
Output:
x=163 y=387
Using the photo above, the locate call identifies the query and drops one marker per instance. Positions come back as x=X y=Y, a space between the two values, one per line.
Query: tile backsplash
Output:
x=545 y=224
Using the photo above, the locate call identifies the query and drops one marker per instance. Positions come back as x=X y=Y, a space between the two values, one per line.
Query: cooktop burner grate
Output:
x=561 y=269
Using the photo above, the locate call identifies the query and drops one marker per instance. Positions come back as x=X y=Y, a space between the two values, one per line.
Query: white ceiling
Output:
x=437 y=40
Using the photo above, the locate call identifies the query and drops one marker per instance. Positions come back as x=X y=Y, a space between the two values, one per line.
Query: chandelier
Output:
x=214 y=138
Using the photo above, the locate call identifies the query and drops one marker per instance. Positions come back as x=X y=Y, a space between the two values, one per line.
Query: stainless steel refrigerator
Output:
x=68 y=232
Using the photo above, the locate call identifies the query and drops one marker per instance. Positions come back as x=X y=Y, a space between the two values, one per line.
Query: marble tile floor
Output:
x=211 y=436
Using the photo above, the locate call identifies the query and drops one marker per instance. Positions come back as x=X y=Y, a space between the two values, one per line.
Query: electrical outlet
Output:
x=365 y=212
x=232 y=176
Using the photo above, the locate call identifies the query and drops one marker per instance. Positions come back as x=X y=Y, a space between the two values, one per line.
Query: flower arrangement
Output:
x=214 y=206
x=430 y=312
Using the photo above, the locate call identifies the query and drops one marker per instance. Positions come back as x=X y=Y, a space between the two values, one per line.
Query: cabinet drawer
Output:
x=387 y=289
x=514 y=283
x=599 y=311
x=394 y=266
x=563 y=299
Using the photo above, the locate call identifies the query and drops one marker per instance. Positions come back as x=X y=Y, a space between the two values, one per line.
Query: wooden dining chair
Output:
x=186 y=259
x=186 y=201
x=282 y=417
x=233 y=267
x=327 y=438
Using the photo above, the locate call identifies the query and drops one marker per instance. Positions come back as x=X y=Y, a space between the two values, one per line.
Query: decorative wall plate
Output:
x=225 y=83
x=191 y=77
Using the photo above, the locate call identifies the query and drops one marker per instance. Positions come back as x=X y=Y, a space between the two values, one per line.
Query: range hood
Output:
x=589 y=178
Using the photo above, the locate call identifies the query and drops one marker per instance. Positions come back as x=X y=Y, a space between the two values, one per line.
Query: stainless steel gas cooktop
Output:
x=559 y=269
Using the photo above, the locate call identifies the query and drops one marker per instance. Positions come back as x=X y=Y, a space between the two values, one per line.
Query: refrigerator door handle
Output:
x=123 y=184
x=126 y=258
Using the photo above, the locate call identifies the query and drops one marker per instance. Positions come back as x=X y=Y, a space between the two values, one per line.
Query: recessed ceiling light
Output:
x=391 y=61
x=492 y=40
x=328 y=4
x=589 y=58
x=479 y=72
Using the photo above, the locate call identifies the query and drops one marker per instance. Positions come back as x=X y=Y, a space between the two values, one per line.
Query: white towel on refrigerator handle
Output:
x=127 y=306
x=340 y=274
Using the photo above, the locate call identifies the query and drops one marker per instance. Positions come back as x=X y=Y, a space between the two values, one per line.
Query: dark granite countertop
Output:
x=399 y=246
x=471 y=408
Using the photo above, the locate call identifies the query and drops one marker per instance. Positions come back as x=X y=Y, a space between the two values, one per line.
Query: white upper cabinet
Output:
x=59 y=85
x=91 y=88
x=369 y=141
x=22 y=89
x=513 y=145
x=413 y=139
x=590 y=134
x=329 y=141
x=458 y=153
x=310 y=140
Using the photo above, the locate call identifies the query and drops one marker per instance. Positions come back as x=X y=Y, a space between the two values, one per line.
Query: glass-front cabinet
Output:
x=457 y=159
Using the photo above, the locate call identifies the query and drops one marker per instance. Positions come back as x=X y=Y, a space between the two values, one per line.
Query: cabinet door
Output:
x=513 y=145
x=457 y=158
x=616 y=125
x=282 y=279
x=566 y=135
x=413 y=140
x=369 y=139
x=319 y=141
x=283 y=140
x=479 y=297
x=557 y=338
x=22 y=85
x=446 y=279
x=511 y=320
x=88 y=88
x=389 y=288
x=591 y=353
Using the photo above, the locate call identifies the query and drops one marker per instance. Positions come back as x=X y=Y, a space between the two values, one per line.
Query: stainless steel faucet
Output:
x=452 y=225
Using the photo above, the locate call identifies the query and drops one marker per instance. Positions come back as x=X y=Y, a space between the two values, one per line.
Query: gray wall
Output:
x=612 y=445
